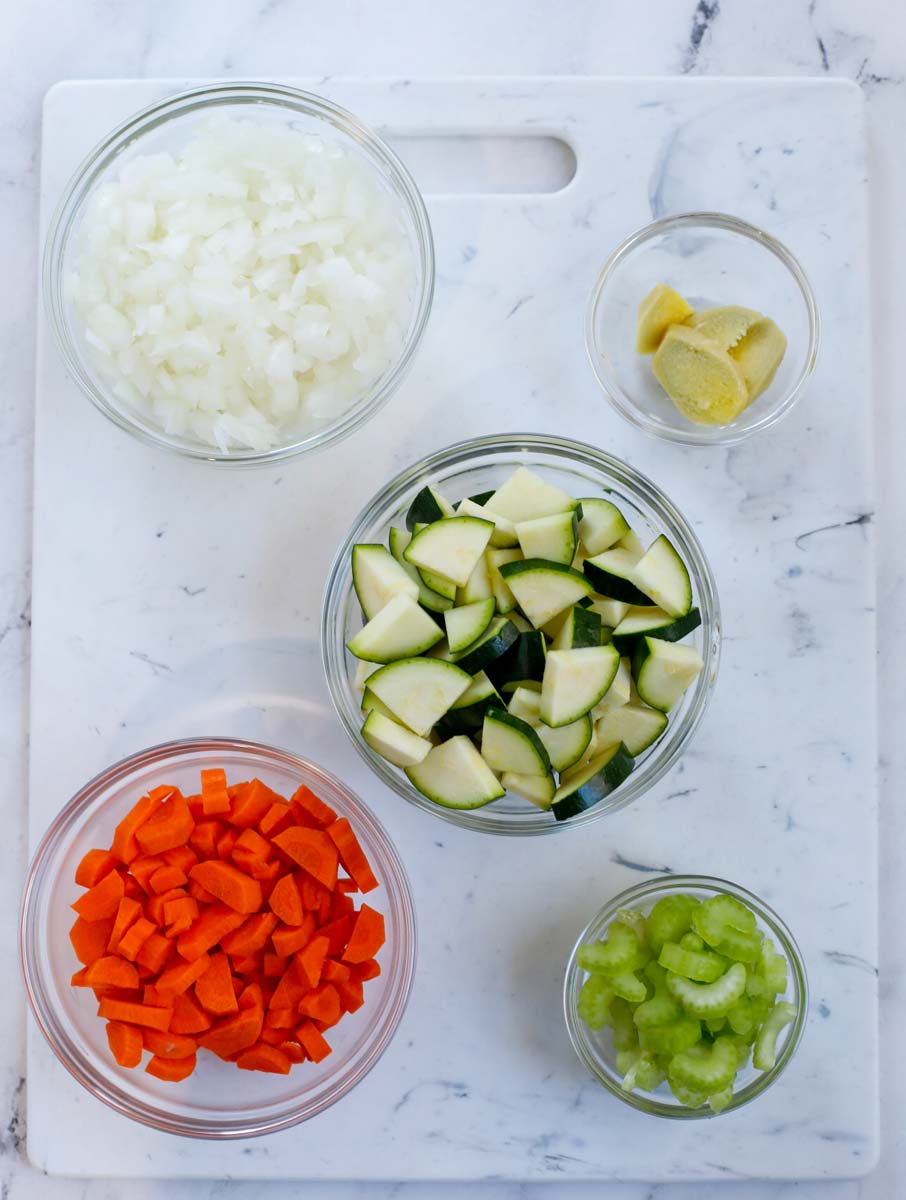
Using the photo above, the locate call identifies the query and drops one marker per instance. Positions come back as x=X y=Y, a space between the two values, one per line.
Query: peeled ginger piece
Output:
x=725 y=326
x=759 y=354
x=703 y=381
x=660 y=309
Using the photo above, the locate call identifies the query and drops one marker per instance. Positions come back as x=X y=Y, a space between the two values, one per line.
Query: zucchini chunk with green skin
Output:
x=662 y=575
x=574 y=682
x=602 y=776
x=418 y=691
x=393 y=741
x=370 y=703
x=377 y=577
x=444 y=588
x=450 y=548
x=602 y=525
x=618 y=694
x=632 y=544
x=467 y=623
x=611 y=612
x=504 y=531
x=362 y=671
x=555 y=538
x=613 y=575
x=582 y=628
x=496 y=559
x=636 y=727
x=663 y=671
x=538 y=789
x=523 y=661
x=455 y=775
x=566 y=744
x=400 y=630
x=525 y=496
x=543 y=589
x=526 y=705
x=495 y=641
x=478 y=586
x=398 y=540
x=428 y=506
x=653 y=622
x=467 y=714
x=509 y=744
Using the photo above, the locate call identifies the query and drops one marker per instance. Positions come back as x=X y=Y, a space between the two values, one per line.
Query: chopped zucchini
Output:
x=400 y=630
x=618 y=694
x=455 y=775
x=466 y=624
x=450 y=548
x=633 y=725
x=526 y=704
x=435 y=583
x=602 y=776
x=663 y=671
x=504 y=531
x=362 y=671
x=602 y=525
x=398 y=540
x=495 y=641
x=478 y=586
x=662 y=575
x=538 y=789
x=581 y=628
x=394 y=742
x=575 y=681
x=554 y=538
x=567 y=744
x=611 y=612
x=370 y=703
x=613 y=575
x=510 y=744
x=377 y=577
x=632 y=544
x=427 y=507
x=524 y=660
x=467 y=714
x=525 y=496
x=496 y=559
x=543 y=589
x=653 y=622
x=418 y=691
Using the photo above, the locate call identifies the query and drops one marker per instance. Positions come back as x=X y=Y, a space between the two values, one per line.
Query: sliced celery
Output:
x=765 y=1052
x=670 y=918
x=594 y=1001
x=701 y=965
x=708 y=1000
x=671 y=1039
x=619 y=953
x=704 y=1068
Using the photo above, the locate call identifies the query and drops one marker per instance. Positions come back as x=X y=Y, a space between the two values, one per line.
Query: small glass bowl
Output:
x=167 y=126
x=217 y=1101
x=711 y=259
x=595 y=1047
x=475 y=466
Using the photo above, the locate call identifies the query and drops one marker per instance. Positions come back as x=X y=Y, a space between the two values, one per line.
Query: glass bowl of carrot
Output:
x=217 y=938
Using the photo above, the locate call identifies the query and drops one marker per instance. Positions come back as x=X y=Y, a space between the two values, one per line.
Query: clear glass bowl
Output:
x=711 y=259
x=476 y=466
x=167 y=126
x=217 y=1100
x=595 y=1047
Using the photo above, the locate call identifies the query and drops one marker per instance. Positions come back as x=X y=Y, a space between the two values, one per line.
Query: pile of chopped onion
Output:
x=255 y=284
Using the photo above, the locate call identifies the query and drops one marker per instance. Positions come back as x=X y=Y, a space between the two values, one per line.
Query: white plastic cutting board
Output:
x=171 y=599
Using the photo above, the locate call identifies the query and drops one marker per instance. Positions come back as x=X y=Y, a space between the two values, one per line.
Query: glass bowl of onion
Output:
x=239 y=273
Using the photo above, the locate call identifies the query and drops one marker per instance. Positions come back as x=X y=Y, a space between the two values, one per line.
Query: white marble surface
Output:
x=282 y=40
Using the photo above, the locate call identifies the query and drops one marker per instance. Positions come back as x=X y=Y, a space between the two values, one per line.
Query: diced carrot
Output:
x=352 y=995
x=171 y=1070
x=252 y=996
x=258 y=868
x=314 y=894
x=133 y=889
x=293 y=1051
x=289 y=991
x=316 y=1046
x=197 y=892
x=287 y=939
x=214 y=795
x=143 y=868
x=341 y=905
x=274 y=1036
x=225 y=844
x=274 y=965
x=313 y=850
x=111 y=971
x=286 y=902
x=239 y=892
x=280 y=1018
x=252 y=934
x=204 y=838
x=151 y=995
x=252 y=841
x=169 y=1045
x=347 y=885
x=277 y=818
x=367 y=936
x=250 y=807
x=262 y=1057
x=337 y=933
x=180 y=856
x=310 y=961
x=213 y=923
x=155 y=906
x=94 y=866
x=125 y=1042
x=334 y=972
x=135 y=1014
x=78 y=979
x=369 y=969
x=125 y=845
x=155 y=951
x=214 y=989
x=235 y=1033
x=176 y=979
x=245 y=964
x=305 y=801
x=103 y=899
x=196 y=807
x=169 y=827
x=179 y=914
x=321 y=1004
x=166 y=878
x=134 y=938
x=188 y=1015
x=89 y=938
x=129 y=910
x=352 y=856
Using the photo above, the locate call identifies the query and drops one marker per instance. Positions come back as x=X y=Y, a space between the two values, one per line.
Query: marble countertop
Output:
x=241 y=39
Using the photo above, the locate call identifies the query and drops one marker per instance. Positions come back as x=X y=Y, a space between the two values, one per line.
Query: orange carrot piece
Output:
x=143 y=868
x=352 y=856
x=321 y=1004
x=280 y=1018
x=287 y=939
x=369 y=969
x=352 y=995
x=334 y=972
x=252 y=996
x=180 y=856
x=133 y=889
x=225 y=844
x=250 y=807
x=252 y=934
x=274 y=1036
x=316 y=1046
x=155 y=905
x=367 y=936
x=168 y=1045
x=78 y=979
x=235 y=1033
x=150 y=995
x=213 y=923
x=134 y=1014
x=129 y=910
x=197 y=892
x=310 y=961
x=214 y=990
x=179 y=913
x=277 y=818
x=262 y=1057
x=274 y=965
x=171 y=1070
x=293 y=1051
x=245 y=964
x=286 y=902
x=214 y=795
x=341 y=905
x=204 y=838
x=314 y=895
x=134 y=938
x=89 y=938
x=305 y=801
x=125 y=845
x=111 y=971
x=93 y=867
x=346 y=885
x=237 y=891
x=251 y=841
x=102 y=900
x=258 y=868
x=166 y=878
x=178 y=978
x=125 y=1042
x=169 y=827
x=313 y=850
x=337 y=933
x=188 y=1015
x=155 y=951
x=289 y=991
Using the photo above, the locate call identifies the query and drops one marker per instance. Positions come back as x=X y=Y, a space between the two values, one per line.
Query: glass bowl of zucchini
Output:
x=520 y=634
x=686 y=996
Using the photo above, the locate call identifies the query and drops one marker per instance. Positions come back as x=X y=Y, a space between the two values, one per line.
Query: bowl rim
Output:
x=99 y=1085
x=428 y=469
x=212 y=96
x=650 y=889
x=694 y=435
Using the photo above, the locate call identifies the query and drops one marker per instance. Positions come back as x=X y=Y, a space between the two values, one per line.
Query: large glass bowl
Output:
x=595 y=1047
x=167 y=126
x=711 y=259
x=476 y=466
x=217 y=1100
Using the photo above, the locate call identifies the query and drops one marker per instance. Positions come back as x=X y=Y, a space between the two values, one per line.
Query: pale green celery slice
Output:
x=594 y=1001
x=661 y=1009
x=765 y=1052
x=709 y=999
x=620 y=952
x=704 y=1068
x=625 y=1036
x=671 y=1039
x=629 y=987
x=701 y=965
x=669 y=919
x=728 y=927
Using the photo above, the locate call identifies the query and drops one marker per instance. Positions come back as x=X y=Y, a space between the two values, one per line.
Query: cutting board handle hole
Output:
x=481 y=164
